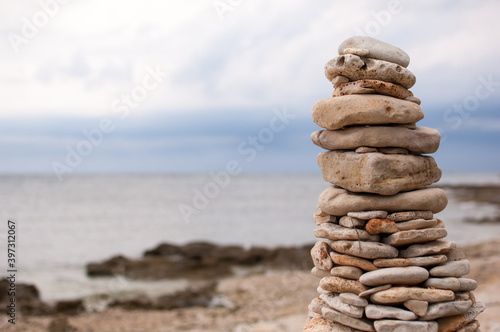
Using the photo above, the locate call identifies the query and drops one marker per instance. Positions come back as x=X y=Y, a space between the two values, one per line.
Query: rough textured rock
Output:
x=474 y=311
x=320 y=254
x=338 y=201
x=369 y=250
x=455 y=255
x=377 y=226
x=416 y=306
x=336 y=232
x=351 y=222
x=372 y=86
x=416 y=224
x=321 y=217
x=375 y=49
x=353 y=299
x=367 y=215
x=356 y=323
x=374 y=290
x=319 y=273
x=337 y=112
x=430 y=248
x=341 y=285
x=357 y=68
x=378 y=173
x=451 y=324
x=418 y=140
x=365 y=149
x=386 y=325
x=347 y=272
x=375 y=311
x=395 y=275
x=319 y=324
x=451 y=269
x=415 y=261
x=446 y=309
x=410 y=215
x=352 y=261
x=403 y=294
x=333 y=300
x=404 y=238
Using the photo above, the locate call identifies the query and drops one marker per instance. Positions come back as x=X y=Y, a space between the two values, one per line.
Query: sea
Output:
x=63 y=225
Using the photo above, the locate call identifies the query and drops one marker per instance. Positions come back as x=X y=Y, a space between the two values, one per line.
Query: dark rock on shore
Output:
x=27 y=299
x=201 y=260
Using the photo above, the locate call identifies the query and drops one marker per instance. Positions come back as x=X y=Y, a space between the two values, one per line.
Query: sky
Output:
x=156 y=86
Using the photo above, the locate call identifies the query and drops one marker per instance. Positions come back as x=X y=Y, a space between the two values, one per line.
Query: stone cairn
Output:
x=383 y=262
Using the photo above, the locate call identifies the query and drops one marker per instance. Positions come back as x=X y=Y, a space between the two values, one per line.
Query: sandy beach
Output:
x=262 y=302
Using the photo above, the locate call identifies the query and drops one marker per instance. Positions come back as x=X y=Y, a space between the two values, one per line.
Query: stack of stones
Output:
x=383 y=262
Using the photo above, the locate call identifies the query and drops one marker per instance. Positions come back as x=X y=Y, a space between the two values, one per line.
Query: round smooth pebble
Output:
x=410 y=275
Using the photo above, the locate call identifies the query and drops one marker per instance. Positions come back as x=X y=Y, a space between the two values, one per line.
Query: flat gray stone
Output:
x=431 y=248
x=338 y=112
x=374 y=290
x=346 y=272
x=404 y=238
x=416 y=224
x=375 y=311
x=447 y=309
x=414 y=261
x=451 y=269
x=369 y=250
x=334 y=302
x=455 y=255
x=467 y=284
x=357 y=68
x=339 y=202
x=353 y=299
x=367 y=215
x=386 y=325
x=337 y=232
x=376 y=49
x=320 y=254
x=411 y=275
x=320 y=324
x=378 y=173
x=351 y=222
x=355 y=323
x=372 y=87
x=474 y=311
x=403 y=294
x=410 y=215
x=416 y=306
x=419 y=140
x=450 y=283
x=319 y=273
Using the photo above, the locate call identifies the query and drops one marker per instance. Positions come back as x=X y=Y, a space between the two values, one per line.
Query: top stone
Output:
x=375 y=49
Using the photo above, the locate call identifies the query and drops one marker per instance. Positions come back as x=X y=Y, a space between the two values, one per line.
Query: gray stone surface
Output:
x=414 y=261
x=474 y=311
x=356 y=323
x=351 y=222
x=404 y=238
x=353 y=299
x=333 y=300
x=451 y=269
x=357 y=68
x=337 y=232
x=319 y=273
x=416 y=224
x=374 y=290
x=386 y=325
x=376 y=49
x=338 y=112
x=446 y=309
x=430 y=248
x=339 y=202
x=411 y=275
x=450 y=283
x=410 y=215
x=375 y=311
x=367 y=215
x=403 y=294
x=369 y=250
x=347 y=272
x=419 y=140
x=467 y=284
x=416 y=306
x=378 y=173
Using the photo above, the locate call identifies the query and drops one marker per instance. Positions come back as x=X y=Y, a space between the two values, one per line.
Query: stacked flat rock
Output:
x=383 y=261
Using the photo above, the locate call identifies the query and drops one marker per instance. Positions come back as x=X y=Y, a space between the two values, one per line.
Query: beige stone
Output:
x=341 y=285
x=367 y=215
x=351 y=222
x=374 y=48
x=416 y=306
x=353 y=299
x=410 y=215
x=333 y=301
x=337 y=232
x=319 y=273
x=387 y=325
x=338 y=112
x=317 y=304
x=446 y=309
x=378 y=173
x=355 y=323
x=338 y=80
x=374 y=290
x=467 y=284
x=471 y=327
x=346 y=272
x=451 y=269
x=320 y=324
x=451 y=324
x=474 y=310
x=372 y=86
x=403 y=294
x=419 y=140
x=411 y=275
x=320 y=217
x=338 y=201
x=365 y=149
x=369 y=250
x=455 y=255
x=377 y=226
x=431 y=248
x=376 y=311
x=414 y=261
x=357 y=68
x=347 y=260
x=450 y=283
x=415 y=236
x=320 y=254
x=416 y=224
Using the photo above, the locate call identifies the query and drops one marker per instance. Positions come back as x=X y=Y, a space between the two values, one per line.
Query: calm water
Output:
x=64 y=225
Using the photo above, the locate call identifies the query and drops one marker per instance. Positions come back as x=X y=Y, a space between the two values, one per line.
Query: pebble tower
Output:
x=382 y=261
